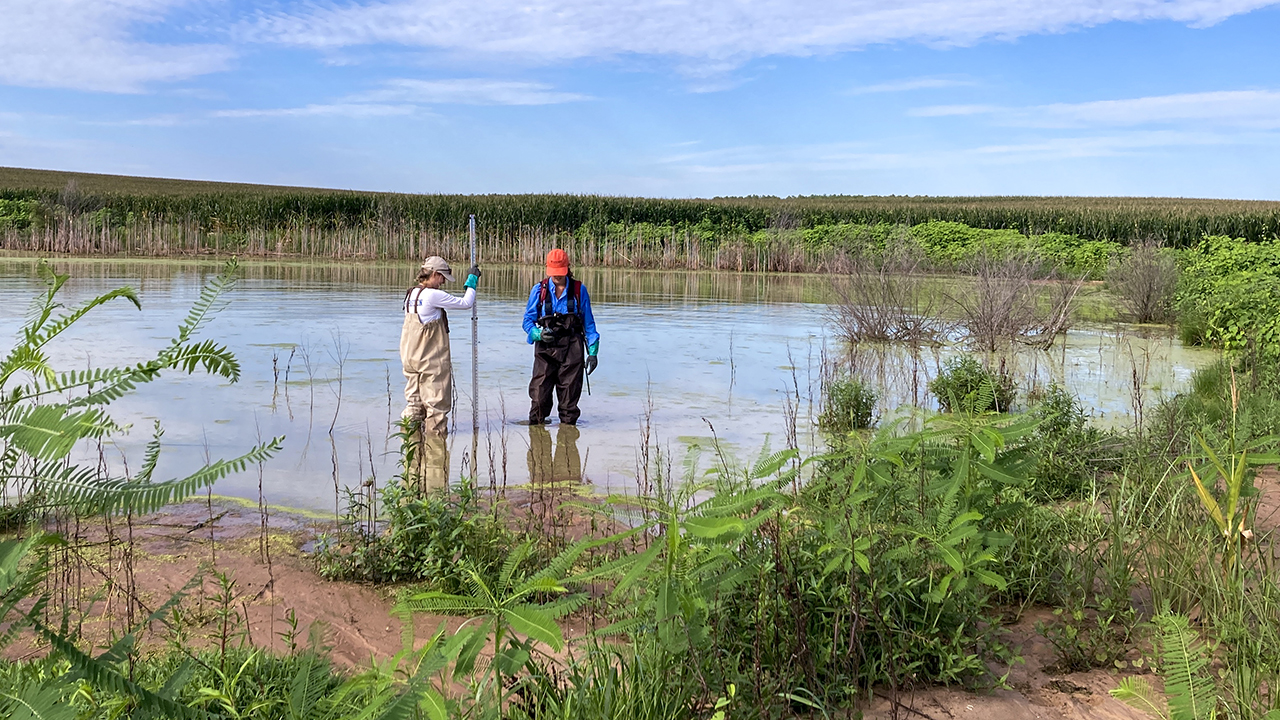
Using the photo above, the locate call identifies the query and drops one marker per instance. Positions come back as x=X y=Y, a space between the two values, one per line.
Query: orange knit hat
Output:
x=557 y=262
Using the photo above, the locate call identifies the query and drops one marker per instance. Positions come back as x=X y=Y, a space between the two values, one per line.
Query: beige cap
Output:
x=435 y=263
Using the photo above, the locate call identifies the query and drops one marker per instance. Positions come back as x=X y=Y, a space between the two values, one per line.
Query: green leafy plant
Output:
x=39 y=427
x=849 y=404
x=965 y=384
x=509 y=612
x=1184 y=659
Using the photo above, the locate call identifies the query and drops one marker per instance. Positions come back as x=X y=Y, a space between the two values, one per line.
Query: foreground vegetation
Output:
x=777 y=586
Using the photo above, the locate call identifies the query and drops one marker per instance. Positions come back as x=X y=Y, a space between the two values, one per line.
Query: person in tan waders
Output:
x=424 y=344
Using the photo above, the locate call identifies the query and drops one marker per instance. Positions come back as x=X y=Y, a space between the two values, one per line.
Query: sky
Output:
x=669 y=98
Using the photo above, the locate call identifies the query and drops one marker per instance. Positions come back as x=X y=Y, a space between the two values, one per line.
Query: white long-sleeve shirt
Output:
x=428 y=302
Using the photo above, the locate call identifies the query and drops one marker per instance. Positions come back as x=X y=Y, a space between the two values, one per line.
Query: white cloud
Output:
x=350 y=110
x=88 y=45
x=1253 y=109
x=469 y=91
x=904 y=85
x=707 y=36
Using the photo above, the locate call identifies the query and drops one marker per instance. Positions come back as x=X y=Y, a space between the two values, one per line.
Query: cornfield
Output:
x=97 y=214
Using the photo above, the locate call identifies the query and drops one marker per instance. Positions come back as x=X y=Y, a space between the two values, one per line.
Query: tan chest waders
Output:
x=428 y=370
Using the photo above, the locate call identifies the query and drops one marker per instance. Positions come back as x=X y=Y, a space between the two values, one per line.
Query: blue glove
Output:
x=471 y=282
x=535 y=334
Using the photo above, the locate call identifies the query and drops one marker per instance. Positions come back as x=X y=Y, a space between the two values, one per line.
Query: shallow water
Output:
x=690 y=351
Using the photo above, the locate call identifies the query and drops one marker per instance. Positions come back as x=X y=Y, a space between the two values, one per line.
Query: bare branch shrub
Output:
x=883 y=297
x=1055 y=318
x=1004 y=304
x=1145 y=280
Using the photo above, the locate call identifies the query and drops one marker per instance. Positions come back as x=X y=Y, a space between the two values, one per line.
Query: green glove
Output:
x=593 y=349
x=535 y=334
x=592 y=361
x=472 y=280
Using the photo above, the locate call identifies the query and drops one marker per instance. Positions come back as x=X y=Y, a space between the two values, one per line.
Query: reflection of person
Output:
x=424 y=344
x=428 y=462
x=559 y=323
x=564 y=465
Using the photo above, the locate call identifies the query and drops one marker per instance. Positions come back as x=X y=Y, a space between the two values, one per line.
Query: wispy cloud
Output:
x=406 y=96
x=907 y=84
x=1254 y=109
x=349 y=110
x=703 y=35
x=841 y=158
x=953 y=110
x=90 y=45
x=468 y=91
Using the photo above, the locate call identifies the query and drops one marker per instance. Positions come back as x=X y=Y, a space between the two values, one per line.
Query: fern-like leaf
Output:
x=1191 y=692
x=1136 y=692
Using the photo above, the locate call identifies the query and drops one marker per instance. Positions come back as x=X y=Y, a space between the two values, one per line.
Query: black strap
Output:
x=573 y=292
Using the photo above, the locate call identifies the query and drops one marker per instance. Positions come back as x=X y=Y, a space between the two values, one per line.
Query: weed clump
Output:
x=964 y=384
x=849 y=405
x=1069 y=451
x=428 y=533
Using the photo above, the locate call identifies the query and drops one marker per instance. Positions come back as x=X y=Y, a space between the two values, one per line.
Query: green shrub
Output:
x=849 y=404
x=1229 y=295
x=424 y=536
x=967 y=385
x=950 y=244
x=1068 y=450
x=1076 y=256
x=18 y=214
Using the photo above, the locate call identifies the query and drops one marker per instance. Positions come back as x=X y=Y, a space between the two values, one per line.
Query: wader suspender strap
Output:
x=409 y=292
x=571 y=302
x=444 y=316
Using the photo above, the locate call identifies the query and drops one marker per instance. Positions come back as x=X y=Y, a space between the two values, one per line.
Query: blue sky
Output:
x=654 y=97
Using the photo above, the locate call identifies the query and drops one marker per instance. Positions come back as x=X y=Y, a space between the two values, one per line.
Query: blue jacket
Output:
x=560 y=304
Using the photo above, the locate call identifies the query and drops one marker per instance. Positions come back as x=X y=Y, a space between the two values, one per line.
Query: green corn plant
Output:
x=1230 y=512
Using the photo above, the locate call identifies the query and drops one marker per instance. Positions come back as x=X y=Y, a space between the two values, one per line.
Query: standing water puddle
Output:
x=690 y=351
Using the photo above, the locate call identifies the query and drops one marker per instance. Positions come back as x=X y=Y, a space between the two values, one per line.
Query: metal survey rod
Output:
x=475 y=367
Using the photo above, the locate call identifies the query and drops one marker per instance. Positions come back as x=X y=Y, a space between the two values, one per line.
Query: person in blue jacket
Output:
x=562 y=330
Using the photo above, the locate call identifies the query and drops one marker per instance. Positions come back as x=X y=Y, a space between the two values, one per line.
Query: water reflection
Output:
x=1117 y=371
x=427 y=466
x=606 y=284
x=557 y=462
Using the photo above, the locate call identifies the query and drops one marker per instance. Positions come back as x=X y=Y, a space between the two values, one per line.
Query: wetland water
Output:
x=689 y=350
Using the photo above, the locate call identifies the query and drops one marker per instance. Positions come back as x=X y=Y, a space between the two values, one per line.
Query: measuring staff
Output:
x=424 y=344
x=562 y=330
